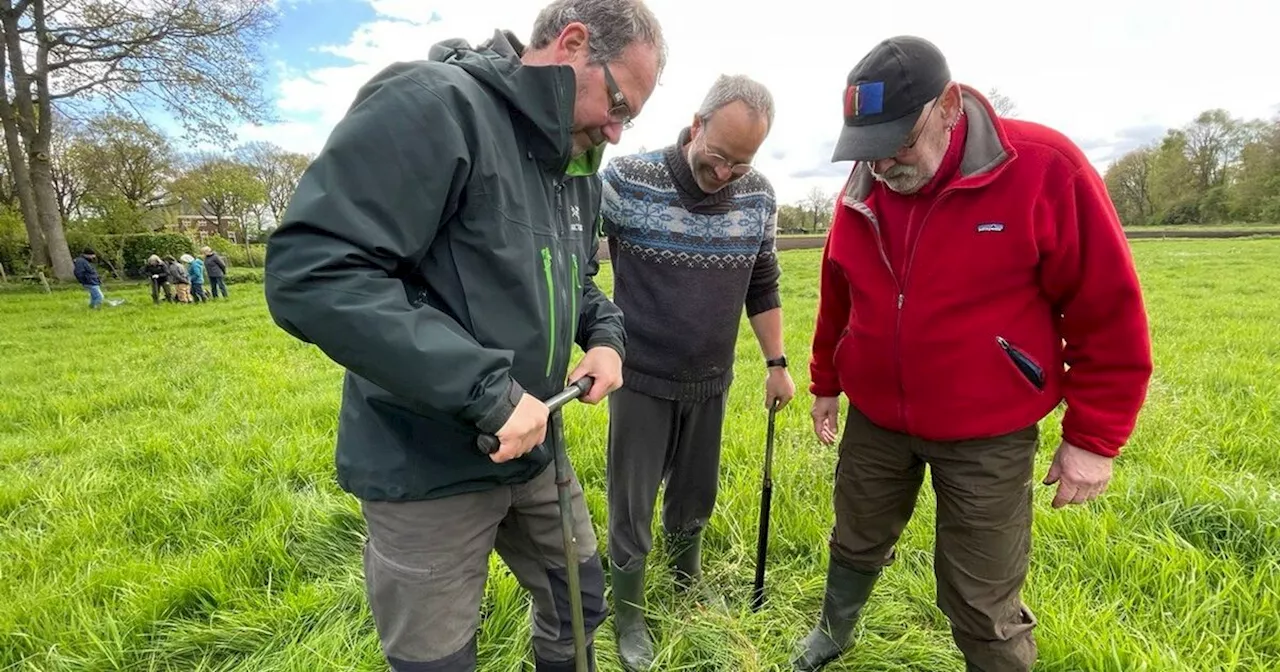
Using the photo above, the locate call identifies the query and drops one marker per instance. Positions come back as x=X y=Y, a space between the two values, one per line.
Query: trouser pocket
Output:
x=425 y=567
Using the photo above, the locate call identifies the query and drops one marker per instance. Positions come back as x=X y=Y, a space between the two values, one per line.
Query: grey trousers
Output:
x=426 y=563
x=652 y=441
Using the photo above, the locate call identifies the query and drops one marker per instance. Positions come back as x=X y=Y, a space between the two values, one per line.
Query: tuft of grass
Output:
x=167 y=500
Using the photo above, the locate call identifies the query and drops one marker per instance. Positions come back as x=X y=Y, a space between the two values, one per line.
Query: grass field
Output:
x=167 y=500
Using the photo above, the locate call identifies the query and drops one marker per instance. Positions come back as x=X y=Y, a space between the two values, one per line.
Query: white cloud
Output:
x=1103 y=72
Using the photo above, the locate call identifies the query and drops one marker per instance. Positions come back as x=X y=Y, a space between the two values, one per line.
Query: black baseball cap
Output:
x=884 y=95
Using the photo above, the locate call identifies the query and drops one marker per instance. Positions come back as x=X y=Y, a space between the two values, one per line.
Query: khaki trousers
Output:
x=983 y=535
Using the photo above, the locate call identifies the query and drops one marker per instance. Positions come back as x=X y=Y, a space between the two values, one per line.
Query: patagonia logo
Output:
x=990 y=227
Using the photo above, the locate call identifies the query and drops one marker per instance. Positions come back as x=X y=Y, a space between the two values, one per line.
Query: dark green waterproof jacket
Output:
x=441 y=248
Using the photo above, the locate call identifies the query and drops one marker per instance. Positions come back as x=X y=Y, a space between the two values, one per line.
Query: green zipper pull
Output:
x=551 y=306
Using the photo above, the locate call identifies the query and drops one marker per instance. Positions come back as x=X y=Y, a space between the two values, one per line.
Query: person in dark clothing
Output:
x=181 y=281
x=158 y=272
x=216 y=269
x=691 y=231
x=87 y=275
x=441 y=248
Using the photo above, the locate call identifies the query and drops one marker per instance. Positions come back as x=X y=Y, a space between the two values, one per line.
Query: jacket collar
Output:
x=541 y=98
x=587 y=163
x=986 y=151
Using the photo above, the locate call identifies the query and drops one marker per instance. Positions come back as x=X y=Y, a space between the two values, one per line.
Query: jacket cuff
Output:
x=818 y=390
x=609 y=342
x=1091 y=444
x=497 y=416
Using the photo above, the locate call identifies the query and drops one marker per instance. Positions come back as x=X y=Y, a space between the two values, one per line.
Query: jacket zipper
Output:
x=911 y=258
x=897 y=330
x=551 y=306
x=900 y=284
x=562 y=220
x=573 y=299
x=906 y=276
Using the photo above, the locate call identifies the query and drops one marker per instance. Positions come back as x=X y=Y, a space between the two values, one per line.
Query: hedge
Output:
x=127 y=253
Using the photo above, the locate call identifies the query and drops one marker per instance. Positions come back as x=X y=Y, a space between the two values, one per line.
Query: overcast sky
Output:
x=1113 y=75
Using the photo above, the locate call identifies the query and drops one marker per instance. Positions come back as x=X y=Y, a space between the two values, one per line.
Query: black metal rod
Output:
x=766 y=501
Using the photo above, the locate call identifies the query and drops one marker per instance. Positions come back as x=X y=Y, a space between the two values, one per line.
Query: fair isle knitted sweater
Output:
x=685 y=265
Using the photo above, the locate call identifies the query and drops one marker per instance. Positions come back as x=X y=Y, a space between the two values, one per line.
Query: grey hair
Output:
x=613 y=25
x=730 y=88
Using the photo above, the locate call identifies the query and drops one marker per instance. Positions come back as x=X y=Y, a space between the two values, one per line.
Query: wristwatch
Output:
x=781 y=361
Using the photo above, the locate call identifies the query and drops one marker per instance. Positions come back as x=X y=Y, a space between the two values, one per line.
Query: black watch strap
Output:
x=781 y=361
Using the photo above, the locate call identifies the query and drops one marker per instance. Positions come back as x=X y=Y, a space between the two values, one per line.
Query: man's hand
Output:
x=778 y=386
x=826 y=417
x=1081 y=475
x=604 y=365
x=524 y=430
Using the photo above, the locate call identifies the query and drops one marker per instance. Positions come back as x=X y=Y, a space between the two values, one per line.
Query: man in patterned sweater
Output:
x=691 y=232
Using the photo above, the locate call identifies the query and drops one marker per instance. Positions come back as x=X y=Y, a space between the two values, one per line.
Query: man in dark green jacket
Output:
x=441 y=248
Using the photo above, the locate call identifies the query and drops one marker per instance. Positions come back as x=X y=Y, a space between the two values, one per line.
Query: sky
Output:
x=1113 y=75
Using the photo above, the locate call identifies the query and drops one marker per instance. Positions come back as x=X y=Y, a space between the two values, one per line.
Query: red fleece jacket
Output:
x=1015 y=254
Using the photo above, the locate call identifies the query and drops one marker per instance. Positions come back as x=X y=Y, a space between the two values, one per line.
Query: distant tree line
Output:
x=1216 y=169
x=811 y=214
x=117 y=175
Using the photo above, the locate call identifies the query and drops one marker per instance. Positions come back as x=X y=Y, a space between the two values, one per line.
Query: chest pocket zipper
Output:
x=549 y=271
x=575 y=289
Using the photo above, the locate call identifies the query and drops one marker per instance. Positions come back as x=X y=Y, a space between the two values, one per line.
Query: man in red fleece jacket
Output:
x=975 y=277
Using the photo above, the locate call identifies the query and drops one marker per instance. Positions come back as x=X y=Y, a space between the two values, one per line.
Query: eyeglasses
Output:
x=737 y=169
x=911 y=145
x=620 y=111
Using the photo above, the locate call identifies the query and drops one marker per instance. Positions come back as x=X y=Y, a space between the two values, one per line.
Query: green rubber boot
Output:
x=686 y=566
x=635 y=648
x=847 y=591
x=686 y=559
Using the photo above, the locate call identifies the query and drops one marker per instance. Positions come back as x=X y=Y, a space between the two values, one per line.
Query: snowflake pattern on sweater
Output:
x=651 y=219
x=686 y=264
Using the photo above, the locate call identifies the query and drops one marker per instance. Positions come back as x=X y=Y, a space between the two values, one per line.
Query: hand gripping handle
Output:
x=489 y=444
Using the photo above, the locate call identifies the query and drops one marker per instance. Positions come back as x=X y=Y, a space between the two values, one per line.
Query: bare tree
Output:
x=1004 y=105
x=1214 y=141
x=279 y=171
x=819 y=205
x=70 y=177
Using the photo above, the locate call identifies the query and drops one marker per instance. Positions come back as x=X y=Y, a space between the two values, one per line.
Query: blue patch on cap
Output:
x=870 y=98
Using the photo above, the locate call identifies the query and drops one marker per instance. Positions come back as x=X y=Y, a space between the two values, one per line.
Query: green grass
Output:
x=167 y=500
